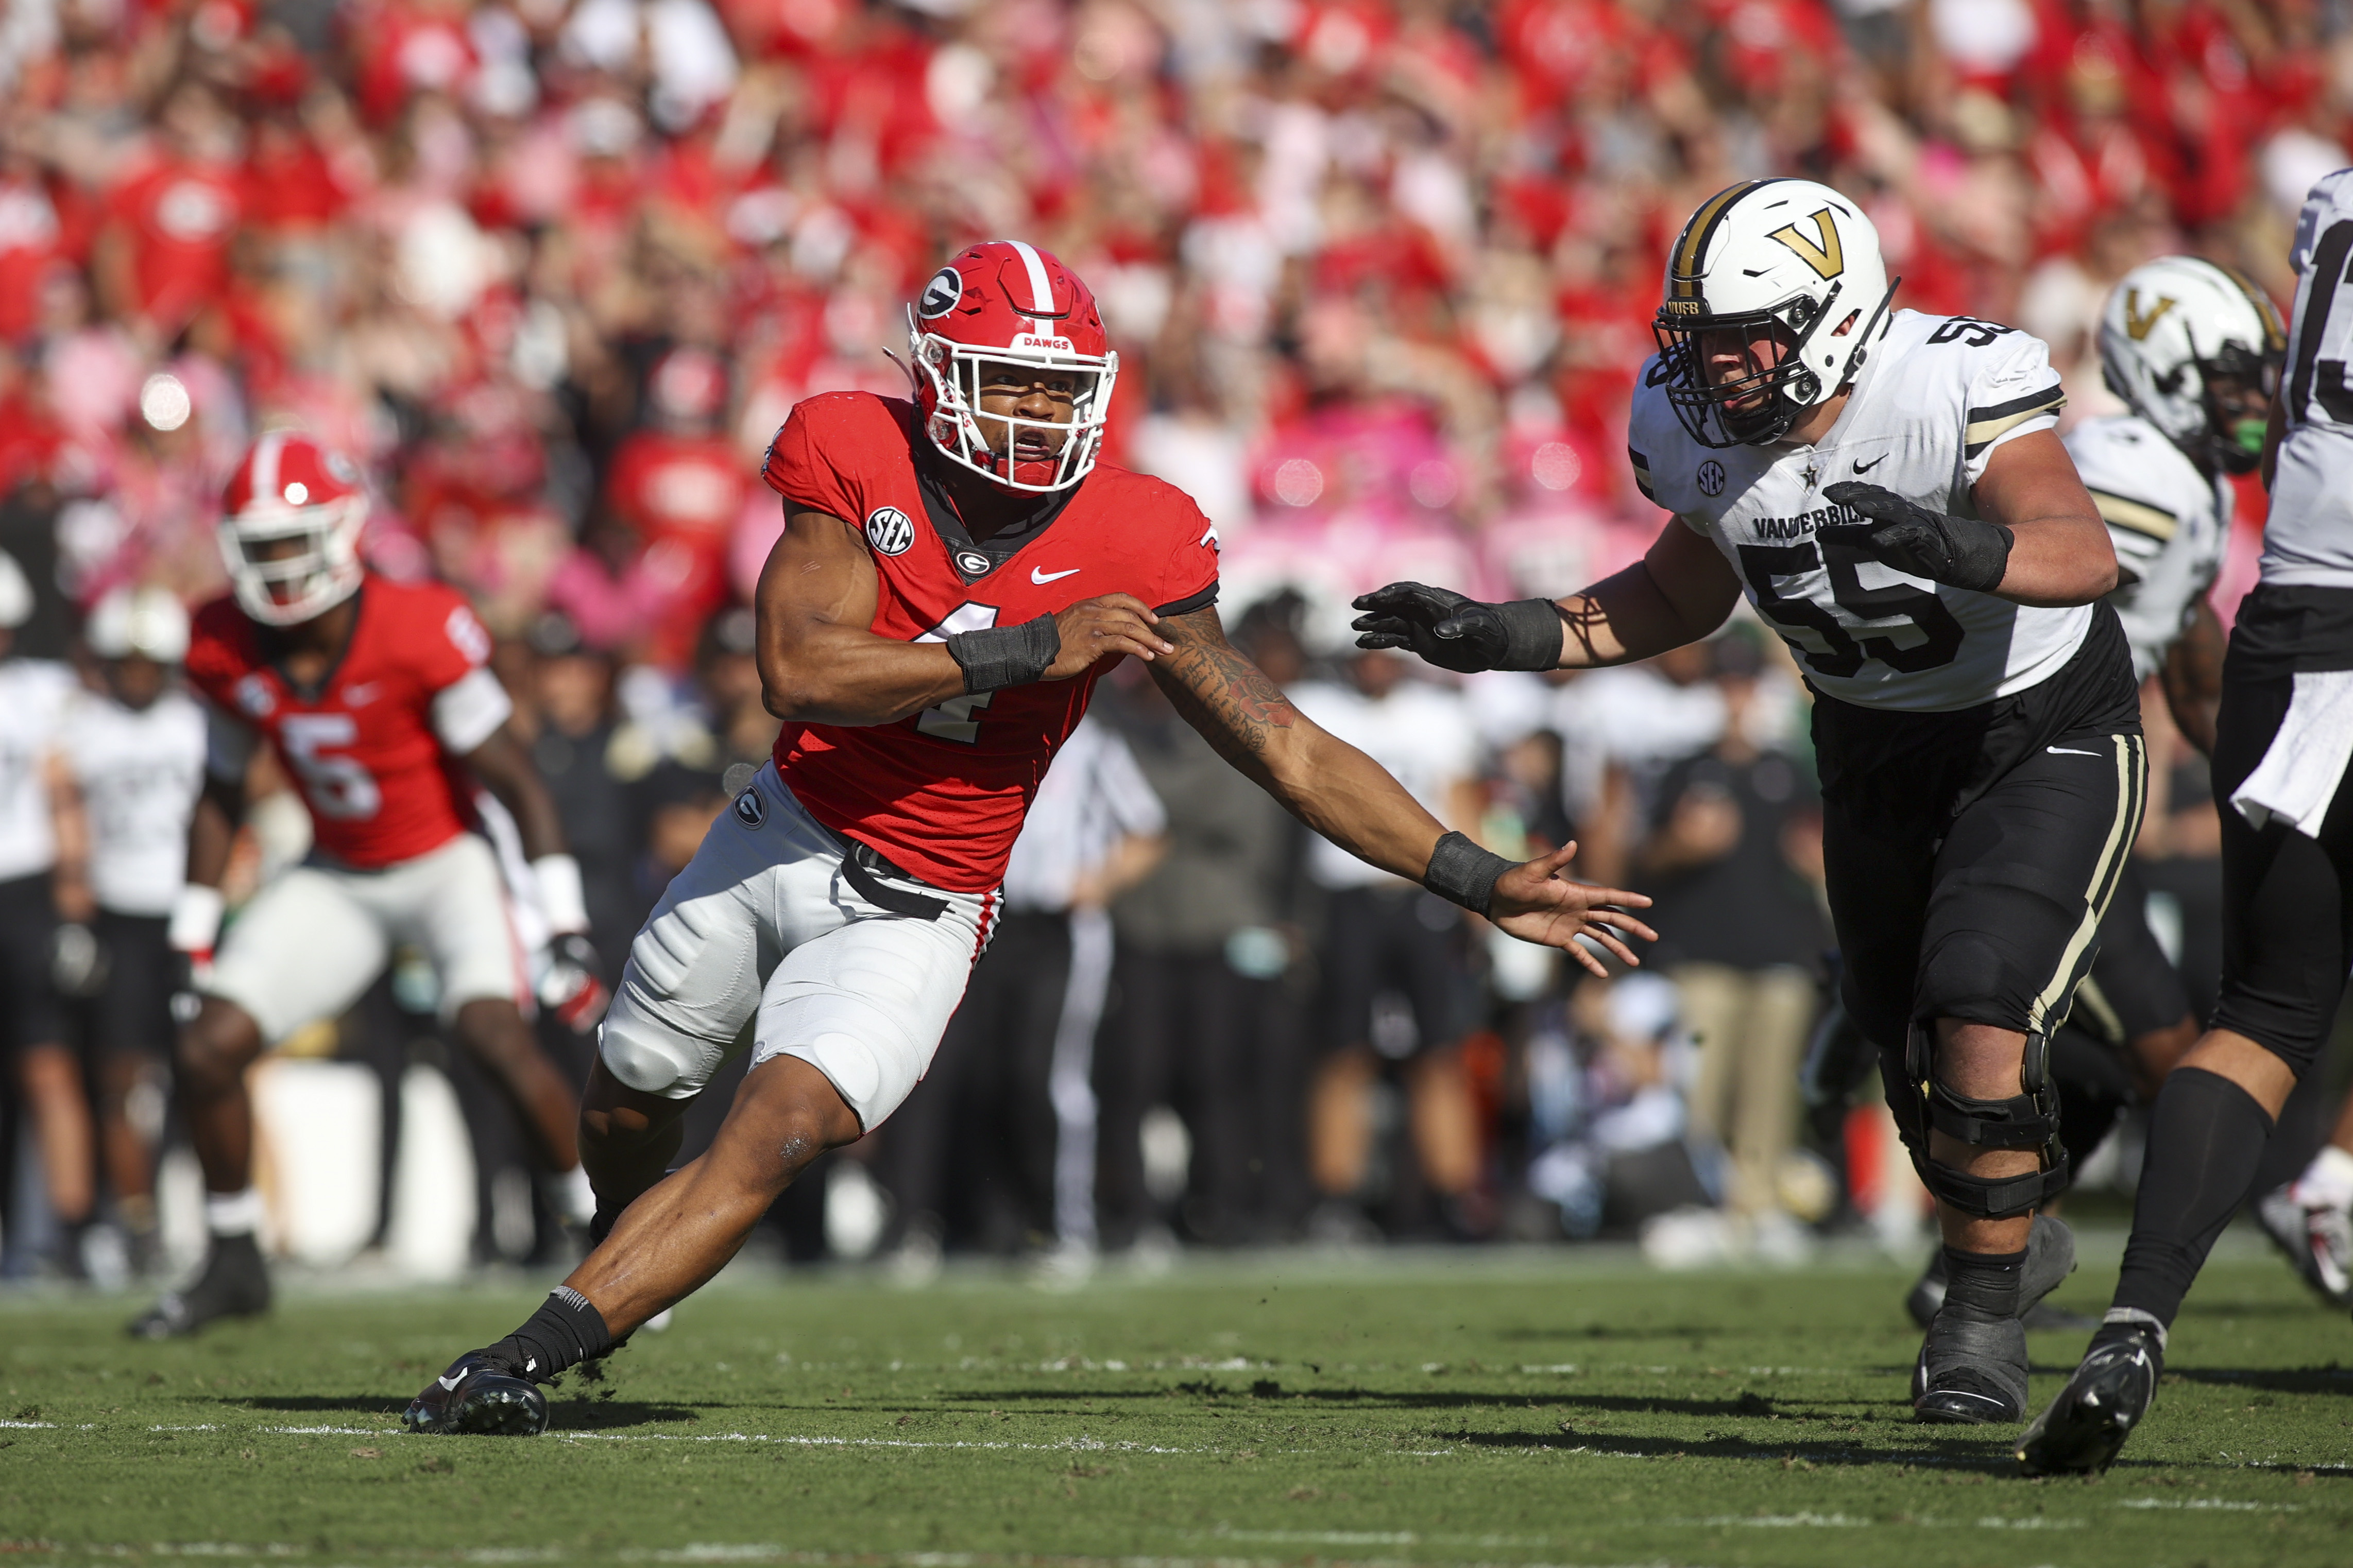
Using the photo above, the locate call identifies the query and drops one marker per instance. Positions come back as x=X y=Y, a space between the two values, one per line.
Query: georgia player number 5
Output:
x=337 y=786
x=959 y=719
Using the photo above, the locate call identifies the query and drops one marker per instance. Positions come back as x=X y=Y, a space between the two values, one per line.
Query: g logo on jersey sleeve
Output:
x=889 y=531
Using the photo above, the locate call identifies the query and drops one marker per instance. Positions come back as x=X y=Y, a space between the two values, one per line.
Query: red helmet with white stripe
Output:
x=1004 y=314
x=289 y=530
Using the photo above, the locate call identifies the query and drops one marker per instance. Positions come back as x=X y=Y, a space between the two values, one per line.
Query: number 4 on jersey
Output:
x=958 y=718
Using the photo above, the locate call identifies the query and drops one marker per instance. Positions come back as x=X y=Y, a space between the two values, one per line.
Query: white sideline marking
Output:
x=1080 y=1445
x=26 y=1426
x=2223 y=1504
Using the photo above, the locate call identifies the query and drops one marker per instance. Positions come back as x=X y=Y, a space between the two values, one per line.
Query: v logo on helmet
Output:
x=2139 y=326
x=1829 y=258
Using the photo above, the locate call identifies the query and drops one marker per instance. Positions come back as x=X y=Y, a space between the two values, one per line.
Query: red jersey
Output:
x=374 y=752
x=942 y=794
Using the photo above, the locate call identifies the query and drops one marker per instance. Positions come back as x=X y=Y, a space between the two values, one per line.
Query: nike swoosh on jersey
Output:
x=1042 y=578
x=1862 y=467
x=361 y=695
x=2068 y=752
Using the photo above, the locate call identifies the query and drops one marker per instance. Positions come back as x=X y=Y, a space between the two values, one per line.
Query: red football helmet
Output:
x=1006 y=303
x=291 y=487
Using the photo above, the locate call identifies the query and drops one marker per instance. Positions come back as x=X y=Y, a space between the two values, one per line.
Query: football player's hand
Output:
x=573 y=989
x=1536 y=902
x=1099 y=629
x=1456 y=632
x=1965 y=551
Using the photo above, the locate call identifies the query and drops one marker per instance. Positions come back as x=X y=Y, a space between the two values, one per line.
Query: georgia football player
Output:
x=2194 y=350
x=954 y=575
x=376 y=696
x=2283 y=738
x=1888 y=489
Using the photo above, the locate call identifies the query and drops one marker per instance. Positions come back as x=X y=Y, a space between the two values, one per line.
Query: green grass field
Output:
x=1507 y=1408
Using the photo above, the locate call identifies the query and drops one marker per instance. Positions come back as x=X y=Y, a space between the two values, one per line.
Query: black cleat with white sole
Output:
x=234 y=1283
x=2085 y=1427
x=1971 y=1373
x=482 y=1396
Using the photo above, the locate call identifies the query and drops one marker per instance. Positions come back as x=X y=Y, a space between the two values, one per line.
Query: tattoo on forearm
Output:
x=1223 y=694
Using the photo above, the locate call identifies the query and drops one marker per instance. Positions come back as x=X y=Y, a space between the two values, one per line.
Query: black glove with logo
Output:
x=1459 y=633
x=1965 y=551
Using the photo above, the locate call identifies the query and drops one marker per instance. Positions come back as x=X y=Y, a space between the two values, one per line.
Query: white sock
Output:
x=233 y=1214
x=2328 y=1181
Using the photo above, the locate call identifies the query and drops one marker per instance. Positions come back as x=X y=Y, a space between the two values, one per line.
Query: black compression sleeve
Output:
x=999 y=657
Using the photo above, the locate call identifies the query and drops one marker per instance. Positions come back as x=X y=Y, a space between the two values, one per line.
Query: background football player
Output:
x=2194 y=350
x=376 y=696
x=954 y=575
x=2283 y=738
x=1888 y=489
x=134 y=754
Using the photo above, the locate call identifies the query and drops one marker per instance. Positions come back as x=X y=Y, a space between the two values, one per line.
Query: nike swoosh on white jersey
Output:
x=1042 y=578
x=2068 y=752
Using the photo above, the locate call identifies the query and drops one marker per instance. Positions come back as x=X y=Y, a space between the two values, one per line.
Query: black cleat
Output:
x=234 y=1283
x=1971 y=1373
x=482 y=1396
x=2088 y=1423
x=2050 y=1259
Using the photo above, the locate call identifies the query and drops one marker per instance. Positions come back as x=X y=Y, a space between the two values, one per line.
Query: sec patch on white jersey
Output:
x=1937 y=397
x=2168 y=520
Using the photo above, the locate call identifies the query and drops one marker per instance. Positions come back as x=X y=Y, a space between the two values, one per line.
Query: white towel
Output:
x=2305 y=762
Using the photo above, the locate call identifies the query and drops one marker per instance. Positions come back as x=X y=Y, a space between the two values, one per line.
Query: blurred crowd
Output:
x=1380 y=273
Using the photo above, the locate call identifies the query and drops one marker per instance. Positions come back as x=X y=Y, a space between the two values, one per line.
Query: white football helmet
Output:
x=150 y=622
x=2171 y=328
x=1790 y=257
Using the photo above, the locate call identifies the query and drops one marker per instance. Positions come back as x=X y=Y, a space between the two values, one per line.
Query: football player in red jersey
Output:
x=955 y=573
x=376 y=697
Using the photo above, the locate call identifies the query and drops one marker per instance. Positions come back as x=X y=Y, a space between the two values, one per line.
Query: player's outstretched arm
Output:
x=821 y=662
x=1343 y=795
x=1680 y=592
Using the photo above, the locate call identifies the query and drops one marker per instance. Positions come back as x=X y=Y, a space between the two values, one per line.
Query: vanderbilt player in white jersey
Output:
x=2281 y=741
x=1888 y=489
x=2194 y=350
x=134 y=754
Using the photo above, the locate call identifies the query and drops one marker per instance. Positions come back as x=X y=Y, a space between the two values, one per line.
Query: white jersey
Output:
x=1937 y=397
x=2170 y=523
x=139 y=770
x=2308 y=536
x=1422 y=733
x=33 y=697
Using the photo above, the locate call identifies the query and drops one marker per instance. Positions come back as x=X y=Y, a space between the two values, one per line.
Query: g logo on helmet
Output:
x=941 y=294
x=1711 y=478
x=889 y=531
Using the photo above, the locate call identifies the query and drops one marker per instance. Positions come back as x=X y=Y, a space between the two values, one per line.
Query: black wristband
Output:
x=999 y=657
x=1462 y=873
x=1531 y=635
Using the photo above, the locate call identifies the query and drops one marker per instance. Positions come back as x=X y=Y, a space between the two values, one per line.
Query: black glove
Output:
x=1965 y=551
x=573 y=989
x=1457 y=633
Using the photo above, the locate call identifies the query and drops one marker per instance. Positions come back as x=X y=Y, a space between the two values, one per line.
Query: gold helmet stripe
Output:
x=1683 y=279
x=2274 y=332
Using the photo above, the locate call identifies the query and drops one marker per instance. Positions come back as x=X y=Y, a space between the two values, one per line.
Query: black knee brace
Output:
x=2025 y=1120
